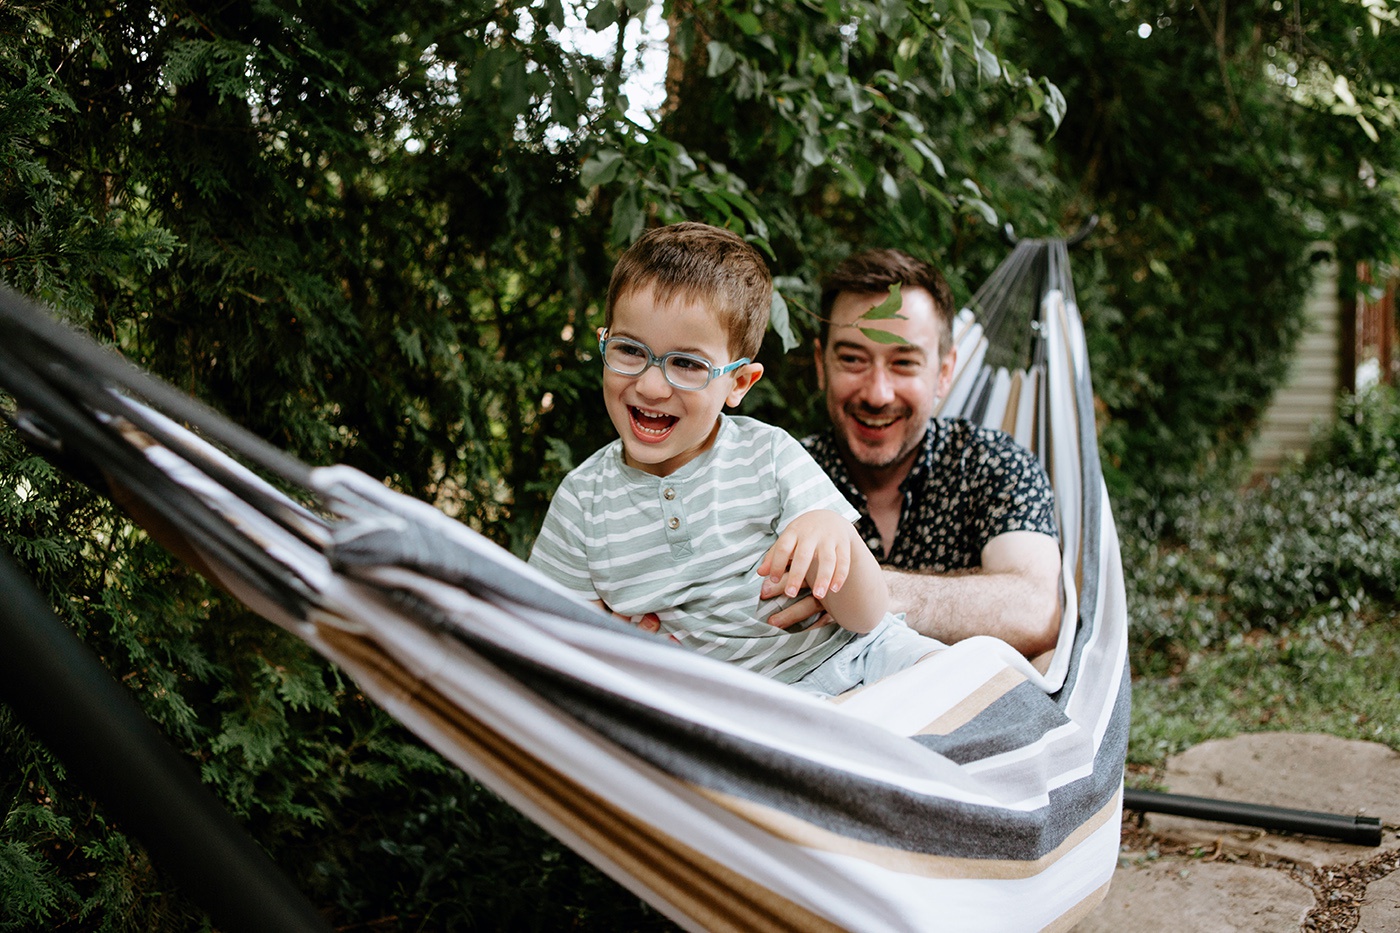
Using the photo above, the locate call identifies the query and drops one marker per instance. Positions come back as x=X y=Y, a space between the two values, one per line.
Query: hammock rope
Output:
x=974 y=791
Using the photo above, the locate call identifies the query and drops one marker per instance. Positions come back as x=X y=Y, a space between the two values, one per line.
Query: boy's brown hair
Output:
x=875 y=271
x=706 y=264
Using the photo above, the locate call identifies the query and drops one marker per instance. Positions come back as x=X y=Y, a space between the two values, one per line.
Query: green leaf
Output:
x=1058 y=12
x=880 y=335
x=601 y=16
x=1055 y=105
x=515 y=88
x=779 y=320
x=887 y=310
x=722 y=58
x=601 y=168
x=748 y=23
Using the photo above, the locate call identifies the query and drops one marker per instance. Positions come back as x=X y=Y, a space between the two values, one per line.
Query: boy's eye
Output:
x=629 y=351
x=687 y=364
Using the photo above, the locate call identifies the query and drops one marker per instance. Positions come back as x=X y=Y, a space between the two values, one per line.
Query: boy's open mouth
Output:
x=651 y=425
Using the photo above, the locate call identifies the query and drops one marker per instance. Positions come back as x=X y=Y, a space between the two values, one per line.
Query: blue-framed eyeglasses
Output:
x=628 y=357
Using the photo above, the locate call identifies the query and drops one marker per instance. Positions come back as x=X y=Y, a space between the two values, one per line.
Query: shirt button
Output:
x=873 y=543
x=669 y=494
x=674 y=523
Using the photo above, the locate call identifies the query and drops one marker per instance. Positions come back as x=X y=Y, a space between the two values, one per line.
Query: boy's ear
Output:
x=744 y=378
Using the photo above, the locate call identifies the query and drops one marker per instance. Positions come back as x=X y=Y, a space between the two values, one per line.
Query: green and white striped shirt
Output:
x=685 y=546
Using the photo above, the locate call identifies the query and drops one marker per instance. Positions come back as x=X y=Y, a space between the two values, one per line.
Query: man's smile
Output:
x=875 y=421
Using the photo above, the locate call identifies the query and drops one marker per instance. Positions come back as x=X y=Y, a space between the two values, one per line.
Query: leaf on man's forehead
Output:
x=881 y=336
x=887 y=310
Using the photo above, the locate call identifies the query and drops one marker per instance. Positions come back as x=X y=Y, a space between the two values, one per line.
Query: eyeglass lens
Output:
x=631 y=358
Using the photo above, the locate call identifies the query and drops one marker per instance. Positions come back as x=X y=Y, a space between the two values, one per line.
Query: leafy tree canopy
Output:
x=379 y=234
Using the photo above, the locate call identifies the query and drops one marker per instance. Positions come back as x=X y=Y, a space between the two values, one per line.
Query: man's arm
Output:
x=1015 y=596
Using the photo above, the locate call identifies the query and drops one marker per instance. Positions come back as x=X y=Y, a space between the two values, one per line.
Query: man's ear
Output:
x=744 y=378
x=946 y=366
x=821 y=364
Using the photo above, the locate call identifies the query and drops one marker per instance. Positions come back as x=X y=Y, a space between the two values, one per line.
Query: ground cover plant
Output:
x=1276 y=606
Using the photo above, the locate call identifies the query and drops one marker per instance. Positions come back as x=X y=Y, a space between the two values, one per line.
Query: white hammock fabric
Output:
x=971 y=792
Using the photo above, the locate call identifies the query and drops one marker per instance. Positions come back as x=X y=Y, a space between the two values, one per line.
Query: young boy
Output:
x=687 y=512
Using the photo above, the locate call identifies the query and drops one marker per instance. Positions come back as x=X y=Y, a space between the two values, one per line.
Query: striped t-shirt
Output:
x=685 y=546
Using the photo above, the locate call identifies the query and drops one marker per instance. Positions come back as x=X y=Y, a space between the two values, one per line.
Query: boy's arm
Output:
x=822 y=551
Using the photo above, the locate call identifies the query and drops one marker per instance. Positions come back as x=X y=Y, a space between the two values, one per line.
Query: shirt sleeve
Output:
x=803 y=486
x=560 y=551
x=1016 y=492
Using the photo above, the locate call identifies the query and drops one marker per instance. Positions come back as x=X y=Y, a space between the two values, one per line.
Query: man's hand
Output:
x=1015 y=596
x=813 y=551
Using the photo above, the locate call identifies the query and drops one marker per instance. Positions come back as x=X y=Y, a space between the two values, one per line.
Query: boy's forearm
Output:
x=864 y=598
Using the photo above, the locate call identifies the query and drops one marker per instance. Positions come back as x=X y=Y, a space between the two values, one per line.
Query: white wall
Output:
x=1309 y=395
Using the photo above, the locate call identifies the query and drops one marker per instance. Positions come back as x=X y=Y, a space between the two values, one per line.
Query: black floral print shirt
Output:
x=968 y=485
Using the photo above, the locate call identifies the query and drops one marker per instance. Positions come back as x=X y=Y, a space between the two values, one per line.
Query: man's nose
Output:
x=879 y=388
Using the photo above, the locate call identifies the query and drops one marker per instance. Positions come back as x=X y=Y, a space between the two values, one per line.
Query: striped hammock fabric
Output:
x=974 y=791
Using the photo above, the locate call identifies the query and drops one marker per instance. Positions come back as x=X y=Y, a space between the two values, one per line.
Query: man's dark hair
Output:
x=874 y=271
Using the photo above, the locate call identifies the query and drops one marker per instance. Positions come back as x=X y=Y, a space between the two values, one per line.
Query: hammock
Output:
x=974 y=791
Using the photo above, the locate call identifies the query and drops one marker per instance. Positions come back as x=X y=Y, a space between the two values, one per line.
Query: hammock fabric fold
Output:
x=974 y=791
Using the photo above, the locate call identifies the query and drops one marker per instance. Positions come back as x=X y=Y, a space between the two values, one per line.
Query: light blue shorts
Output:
x=888 y=648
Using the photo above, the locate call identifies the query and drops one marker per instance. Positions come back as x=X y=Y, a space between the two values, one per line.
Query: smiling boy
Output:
x=690 y=510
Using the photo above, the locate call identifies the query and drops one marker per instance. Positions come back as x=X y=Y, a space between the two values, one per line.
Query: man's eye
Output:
x=851 y=361
x=908 y=367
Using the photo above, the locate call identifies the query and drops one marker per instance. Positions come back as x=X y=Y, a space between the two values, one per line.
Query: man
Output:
x=961 y=517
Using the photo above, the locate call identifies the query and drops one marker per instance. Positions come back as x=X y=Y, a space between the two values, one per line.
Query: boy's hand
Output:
x=650 y=622
x=813 y=551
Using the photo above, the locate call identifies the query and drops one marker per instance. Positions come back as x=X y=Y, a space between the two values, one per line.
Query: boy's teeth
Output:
x=652 y=422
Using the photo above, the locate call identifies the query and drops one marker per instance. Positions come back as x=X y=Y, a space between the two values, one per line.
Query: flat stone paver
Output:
x=1380 y=909
x=1172 y=894
x=1219 y=876
x=1320 y=773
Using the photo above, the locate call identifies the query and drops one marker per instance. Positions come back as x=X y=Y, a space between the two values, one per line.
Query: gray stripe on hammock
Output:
x=842 y=803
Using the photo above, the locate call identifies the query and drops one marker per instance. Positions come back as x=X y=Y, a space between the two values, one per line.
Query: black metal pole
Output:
x=1359 y=830
x=71 y=703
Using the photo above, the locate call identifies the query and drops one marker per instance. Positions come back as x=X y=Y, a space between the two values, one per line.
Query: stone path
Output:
x=1177 y=874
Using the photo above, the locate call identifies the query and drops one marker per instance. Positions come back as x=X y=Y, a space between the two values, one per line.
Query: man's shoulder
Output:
x=962 y=434
x=822 y=445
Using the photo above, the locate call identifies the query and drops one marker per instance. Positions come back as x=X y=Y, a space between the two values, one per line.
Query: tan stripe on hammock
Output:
x=920 y=864
x=712 y=895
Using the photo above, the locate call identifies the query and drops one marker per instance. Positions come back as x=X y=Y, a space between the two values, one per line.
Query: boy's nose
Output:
x=652 y=383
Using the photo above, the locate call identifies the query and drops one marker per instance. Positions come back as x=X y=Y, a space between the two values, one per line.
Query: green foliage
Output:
x=380 y=234
x=1274 y=607
x=1217 y=153
x=1365 y=437
x=1340 y=682
x=1297 y=554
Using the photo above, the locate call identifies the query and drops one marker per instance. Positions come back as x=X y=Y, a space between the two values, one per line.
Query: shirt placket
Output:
x=673 y=517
